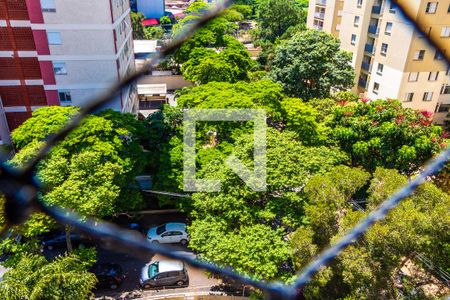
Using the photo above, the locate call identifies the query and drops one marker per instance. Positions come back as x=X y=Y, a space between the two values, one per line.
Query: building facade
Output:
x=63 y=52
x=391 y=58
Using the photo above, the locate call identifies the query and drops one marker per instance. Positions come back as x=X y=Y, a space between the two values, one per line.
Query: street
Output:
x=132 y=264
x=198 y=280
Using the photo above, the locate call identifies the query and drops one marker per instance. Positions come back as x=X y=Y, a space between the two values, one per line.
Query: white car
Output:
x=168 y=233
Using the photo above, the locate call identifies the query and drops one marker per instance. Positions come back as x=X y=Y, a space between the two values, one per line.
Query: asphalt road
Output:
x=132 y=265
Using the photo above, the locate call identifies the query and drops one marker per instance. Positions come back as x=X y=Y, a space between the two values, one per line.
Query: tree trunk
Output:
x=68 y=240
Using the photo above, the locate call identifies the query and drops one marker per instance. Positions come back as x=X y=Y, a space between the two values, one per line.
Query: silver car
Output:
x=164 y=273
x=168 y=233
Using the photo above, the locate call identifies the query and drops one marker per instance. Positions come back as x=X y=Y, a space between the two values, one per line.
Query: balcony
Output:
x=369 y=48
x=365 y=66
x=321 y=2
x=319 y=15
x=362 y=83
x=373 y=29
x=376 y=10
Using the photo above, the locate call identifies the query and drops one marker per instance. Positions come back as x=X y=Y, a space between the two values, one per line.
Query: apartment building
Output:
x=391 y=58
x=63 y=52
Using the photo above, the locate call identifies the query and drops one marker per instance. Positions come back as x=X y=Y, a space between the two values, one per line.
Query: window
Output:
x=413 y=76
x=380 y=69
x=445 y=32
x=431 y=7
x=48 y=5
x=445 y=89
x=162 y=275
x=54 y=37
x=356 y=21
x=161 y=229
x=427 y=96
x=353 y=41
x=388 y=28
x=438 y=55
x=448 y=9
x=448 y=72
x=59 y=68
x=419 y=55
x=359 y=3
x=384 y=48
x=444 y=108
x=376 y=87
x=433 y=76
x=64 y=96
x=409 y=97
x=393 y=7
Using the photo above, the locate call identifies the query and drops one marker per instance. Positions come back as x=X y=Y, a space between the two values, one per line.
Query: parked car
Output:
x=168 y=233
x=59 y=241
x=108 y=275
x=164 y=273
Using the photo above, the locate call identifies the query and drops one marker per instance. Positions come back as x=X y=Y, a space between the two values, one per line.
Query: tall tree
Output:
x=369 y=269
x=244 y=228
x=230 y=65
x=33 y=277
x=310 y=64
x=382 y=133
x=92 y=170
x=276 y=16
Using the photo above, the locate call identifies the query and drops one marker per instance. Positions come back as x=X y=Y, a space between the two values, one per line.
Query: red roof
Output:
x=150 y=22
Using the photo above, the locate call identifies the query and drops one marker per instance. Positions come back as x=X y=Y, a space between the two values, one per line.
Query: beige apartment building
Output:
x=391 y=58
x=91 y=47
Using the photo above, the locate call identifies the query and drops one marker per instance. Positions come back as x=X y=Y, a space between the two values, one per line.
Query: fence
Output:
x=21 y=189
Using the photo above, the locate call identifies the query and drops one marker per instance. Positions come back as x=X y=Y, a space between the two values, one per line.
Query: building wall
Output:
x=403 y=42
x=21 y=77
x=96 y=48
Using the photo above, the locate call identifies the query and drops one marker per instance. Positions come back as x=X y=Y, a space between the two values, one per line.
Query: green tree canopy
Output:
x=212 y=35
x=33 y=277
x=138 y=28
x=275 y=17
x=382 y=133
x=258 y=220
x=255 y=250
x=310 y=64
x=153 y=32
x=230 y=65
x=370 y=267
x=92 y=170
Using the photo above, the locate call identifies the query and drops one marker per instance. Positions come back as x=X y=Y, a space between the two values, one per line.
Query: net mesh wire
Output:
x=20 y=186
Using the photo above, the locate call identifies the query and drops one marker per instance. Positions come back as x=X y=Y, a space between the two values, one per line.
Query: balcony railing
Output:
x=319 y=15
x=321 y=2
x=369 y=48
x=376 y=10
x=362 y=83
x=365 y=66
x=373 y=29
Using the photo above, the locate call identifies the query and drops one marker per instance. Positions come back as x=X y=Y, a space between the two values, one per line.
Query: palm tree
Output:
x=35 y=278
